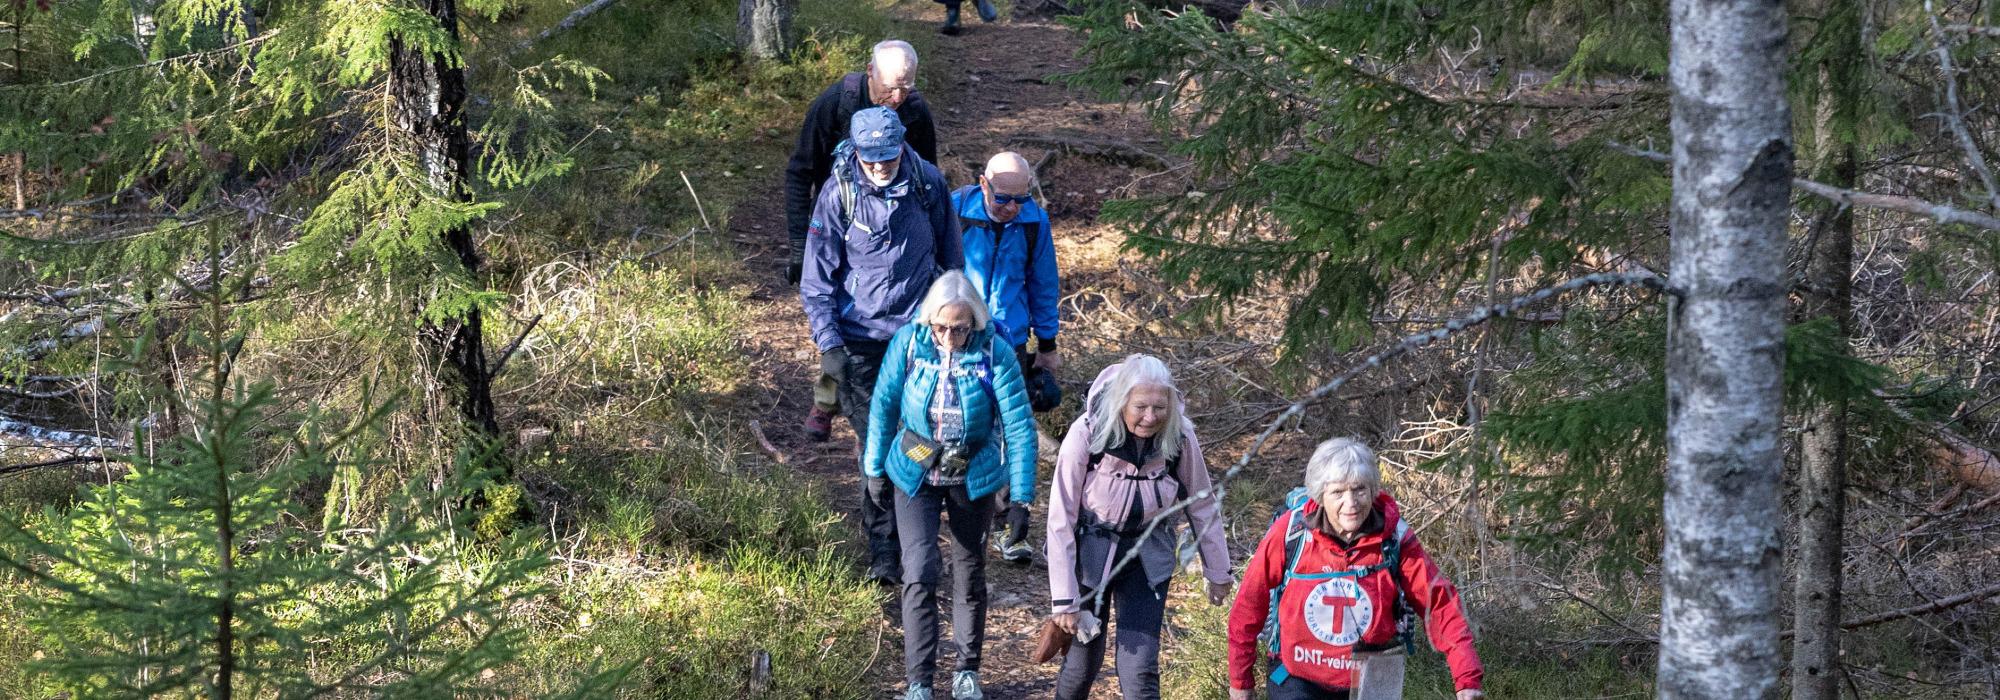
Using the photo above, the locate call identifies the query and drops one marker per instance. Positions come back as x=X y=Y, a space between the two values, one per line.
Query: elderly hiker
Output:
x=987 y=13
x=880 y=234
x=1010 y=257
x=1343 y=582
x=890 y=81
x=1128 y=458
x=949 y=425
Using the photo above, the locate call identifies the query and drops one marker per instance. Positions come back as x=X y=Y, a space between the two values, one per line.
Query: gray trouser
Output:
x=856 y=390
x=965 y=521
x=1141 y=608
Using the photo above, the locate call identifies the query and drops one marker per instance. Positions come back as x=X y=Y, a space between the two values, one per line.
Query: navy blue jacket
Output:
x=1014 y=267
x=865 y=281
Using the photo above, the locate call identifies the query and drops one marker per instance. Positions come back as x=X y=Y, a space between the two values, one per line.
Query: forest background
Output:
x=256 y=287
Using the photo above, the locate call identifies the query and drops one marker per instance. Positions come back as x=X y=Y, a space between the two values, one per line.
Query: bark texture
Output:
x=1822 y=507
x=1725 y=352
x=429 y=111
x=764 y=28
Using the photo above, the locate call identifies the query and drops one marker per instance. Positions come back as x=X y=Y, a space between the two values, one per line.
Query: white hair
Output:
x=893 y=49
x=1107 y=429
x=1341 y=461
x=950 y=288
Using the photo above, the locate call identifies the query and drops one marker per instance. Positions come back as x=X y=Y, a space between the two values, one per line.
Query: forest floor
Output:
x=990 y=91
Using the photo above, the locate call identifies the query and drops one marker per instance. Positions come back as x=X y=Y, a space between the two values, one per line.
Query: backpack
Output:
x=850 y=191
x=1296 y=535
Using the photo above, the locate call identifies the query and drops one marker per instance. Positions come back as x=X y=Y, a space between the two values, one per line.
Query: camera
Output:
x=954 y=460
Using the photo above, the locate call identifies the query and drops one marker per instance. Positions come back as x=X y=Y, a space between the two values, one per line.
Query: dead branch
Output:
x=568 y=23
x=1939 y=605
x=508 y=352
x=1852 y=198
x=1116 y=151
x=1954 y=115
x=764 y=443
x=58 y=462
x=40 y=435
x=1970 y=29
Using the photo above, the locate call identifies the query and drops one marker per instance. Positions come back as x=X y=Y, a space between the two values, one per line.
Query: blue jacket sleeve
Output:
x=949 y=242
x=1044 y=286
x=822 y=269
x=1018 y=419
x=885 y=410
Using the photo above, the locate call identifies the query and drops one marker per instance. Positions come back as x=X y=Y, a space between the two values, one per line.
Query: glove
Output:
x=833 y=362
x=793 y=271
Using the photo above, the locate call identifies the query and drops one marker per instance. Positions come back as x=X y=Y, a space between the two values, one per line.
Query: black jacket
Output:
x=825 y=127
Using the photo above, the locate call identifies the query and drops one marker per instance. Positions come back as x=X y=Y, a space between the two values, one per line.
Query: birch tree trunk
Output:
x=1822 y=508
x=764 y=28
x=1725 y=350
x=429 y=110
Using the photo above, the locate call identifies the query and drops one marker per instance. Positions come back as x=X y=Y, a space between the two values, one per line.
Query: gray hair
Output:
x=950 y=288
x=1107 y=411
x=1340 y=461
x=893 y=48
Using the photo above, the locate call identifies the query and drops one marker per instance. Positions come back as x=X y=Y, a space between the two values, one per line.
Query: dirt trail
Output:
x=989 y=91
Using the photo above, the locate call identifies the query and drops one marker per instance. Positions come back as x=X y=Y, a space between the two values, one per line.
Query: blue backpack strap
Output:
x=1295 y=537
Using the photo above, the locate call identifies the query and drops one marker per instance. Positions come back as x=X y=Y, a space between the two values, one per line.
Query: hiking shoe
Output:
x=965 y=686
x=819 y=425
x=950 y=27
x=986 y=11
x=918 y=692
x=1018 y=552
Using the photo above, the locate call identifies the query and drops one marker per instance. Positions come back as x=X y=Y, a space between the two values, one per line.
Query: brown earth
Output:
x=991 y=91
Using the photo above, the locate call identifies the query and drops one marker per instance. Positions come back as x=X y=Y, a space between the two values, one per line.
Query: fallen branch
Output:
x=1118 y=151
x=508 y=352
x=58 y=462
x=1939 y=605
x=1866 y=200
x=764 y=443
x=568 y=23
x=1969 y=29
x=1954 y=116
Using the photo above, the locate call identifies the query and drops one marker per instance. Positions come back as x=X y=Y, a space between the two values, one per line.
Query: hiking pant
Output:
x=1296 y=688
x=1141 y=608
x=878 y=508
x=965 y=521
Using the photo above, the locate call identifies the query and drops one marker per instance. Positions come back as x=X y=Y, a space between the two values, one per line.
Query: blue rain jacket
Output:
x=865 y=281
x=1013 y=265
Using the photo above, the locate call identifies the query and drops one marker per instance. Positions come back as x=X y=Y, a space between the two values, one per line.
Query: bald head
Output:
x=1006 y=183
x=892 y=73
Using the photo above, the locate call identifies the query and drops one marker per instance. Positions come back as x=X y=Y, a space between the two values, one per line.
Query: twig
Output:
x=697 y=203
x=58 y=462
x=1475 y=319
x=1954 y=115
x=757 y=431
x=1939 y=605
x=508 y=351
x=1853 y=198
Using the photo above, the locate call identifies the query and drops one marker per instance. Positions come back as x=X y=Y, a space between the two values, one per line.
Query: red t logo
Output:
x=1340 y=604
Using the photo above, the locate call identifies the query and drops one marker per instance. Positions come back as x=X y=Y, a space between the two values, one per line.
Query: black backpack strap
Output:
x=850 y=93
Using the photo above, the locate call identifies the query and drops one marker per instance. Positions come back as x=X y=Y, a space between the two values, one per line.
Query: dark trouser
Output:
x=1299 y=689
x=965 y=521
x=1141 y=608
x=878 y=507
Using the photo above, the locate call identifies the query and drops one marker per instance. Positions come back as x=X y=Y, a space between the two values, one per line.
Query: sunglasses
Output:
x=950 y=330
x=1012 y=198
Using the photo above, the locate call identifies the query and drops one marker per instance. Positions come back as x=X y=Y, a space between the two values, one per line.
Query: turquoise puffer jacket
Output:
x=903 y=391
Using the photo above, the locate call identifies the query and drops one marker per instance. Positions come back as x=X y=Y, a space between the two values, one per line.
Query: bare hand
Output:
x=1048 y=361
x=1218 y=593
x=1066 y=621
x=1471 y=694
x=1239 y=694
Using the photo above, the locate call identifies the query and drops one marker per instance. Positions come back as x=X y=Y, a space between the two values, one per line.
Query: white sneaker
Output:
x=965 y=686
x=918 y=692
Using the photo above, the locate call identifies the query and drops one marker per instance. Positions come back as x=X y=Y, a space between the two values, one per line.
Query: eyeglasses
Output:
x=950 y=330
x=1012 y=198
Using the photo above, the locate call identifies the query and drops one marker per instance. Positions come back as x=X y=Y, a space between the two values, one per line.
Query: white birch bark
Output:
x=1725 y=350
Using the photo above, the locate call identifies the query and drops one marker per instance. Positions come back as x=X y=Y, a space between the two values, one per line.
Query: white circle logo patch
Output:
x=1338 y=611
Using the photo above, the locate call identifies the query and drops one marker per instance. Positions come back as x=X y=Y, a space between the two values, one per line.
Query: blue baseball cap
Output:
x=877 y=134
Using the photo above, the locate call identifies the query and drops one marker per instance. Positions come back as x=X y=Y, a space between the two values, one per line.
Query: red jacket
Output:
x=1429 y=592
